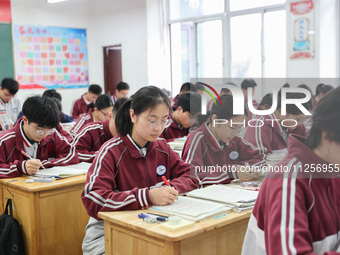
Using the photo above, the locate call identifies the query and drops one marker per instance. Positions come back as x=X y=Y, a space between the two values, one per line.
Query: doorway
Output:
x=112 y=67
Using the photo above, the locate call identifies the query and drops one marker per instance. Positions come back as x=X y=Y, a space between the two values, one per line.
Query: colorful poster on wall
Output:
x=5 y=11
x=302 y=31
x=50 y=57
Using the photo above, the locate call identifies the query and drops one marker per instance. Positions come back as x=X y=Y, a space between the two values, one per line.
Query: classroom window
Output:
x=226 y=38
x=180 y=9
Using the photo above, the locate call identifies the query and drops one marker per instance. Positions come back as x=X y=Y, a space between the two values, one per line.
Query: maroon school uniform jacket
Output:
x=82 y=121
x=296 y=212
x=271 y=136
x=174 y=131
x=90 y=138
x=65 y=133
x=120 y=177
x=203 y=151
x=79 y=107
x=53 y=150
x=250 y=114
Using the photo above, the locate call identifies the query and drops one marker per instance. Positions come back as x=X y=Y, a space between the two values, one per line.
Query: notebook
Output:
x=193 y=209
x=234 y=197
x=64 y=171
x=183 y=224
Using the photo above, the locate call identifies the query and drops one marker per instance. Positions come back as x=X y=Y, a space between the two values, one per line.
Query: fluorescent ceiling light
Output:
x=54 y=1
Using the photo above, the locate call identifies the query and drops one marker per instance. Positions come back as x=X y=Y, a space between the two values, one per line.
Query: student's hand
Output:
x=163 y=196
x=246 y=173
x=32 y=165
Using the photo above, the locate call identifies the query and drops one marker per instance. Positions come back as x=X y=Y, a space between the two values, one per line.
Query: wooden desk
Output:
x=52 y=215
x=126 y=234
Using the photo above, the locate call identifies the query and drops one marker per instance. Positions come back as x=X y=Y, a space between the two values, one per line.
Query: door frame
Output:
x=105 y=61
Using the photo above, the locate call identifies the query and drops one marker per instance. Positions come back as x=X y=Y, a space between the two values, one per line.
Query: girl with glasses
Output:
x=127 y=171
x=97 y=111
x=216 y=146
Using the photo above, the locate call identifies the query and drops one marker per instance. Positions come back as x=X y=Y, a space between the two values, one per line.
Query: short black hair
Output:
x=51 y=93
x=190 y=102
x=122 y=86
x=102 y=102
x=10 y=84
x=267 y=99
x=226 y=90
x=248 y=83
x=41 y=110
x=323 y=88
x=187 y=86
x=95 y=89
x=225 y=110
x=292 y=108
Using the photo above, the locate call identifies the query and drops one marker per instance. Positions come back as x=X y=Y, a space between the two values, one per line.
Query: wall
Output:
x=108 y=23
x=69 y=14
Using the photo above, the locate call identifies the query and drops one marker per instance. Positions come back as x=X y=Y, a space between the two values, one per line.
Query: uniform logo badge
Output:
x=234 y=155
x=161 y=170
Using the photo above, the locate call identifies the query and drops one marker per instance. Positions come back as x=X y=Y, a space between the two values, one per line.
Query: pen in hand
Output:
x=28 y=156
x=165 y=181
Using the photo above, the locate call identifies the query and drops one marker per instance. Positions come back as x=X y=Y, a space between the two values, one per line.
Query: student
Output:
x=122 y=90
x=186 y=87
x=80 y=105
x=272 y=136
x=298 y=209
x=321 y=90
x=266 y=102
x=188 y=107
x=35 y=134
x=8 y=103
x=64 y=118
x=93 y=135
x=127 y=171
x=217 y=146
x=98 y=111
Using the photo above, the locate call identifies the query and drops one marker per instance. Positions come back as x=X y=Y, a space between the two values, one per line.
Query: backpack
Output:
x=11 y=240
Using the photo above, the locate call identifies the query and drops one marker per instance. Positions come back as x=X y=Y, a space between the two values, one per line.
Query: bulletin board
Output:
x=50 y=57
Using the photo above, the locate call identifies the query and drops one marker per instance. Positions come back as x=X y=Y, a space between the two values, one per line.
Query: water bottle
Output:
x=4 y=121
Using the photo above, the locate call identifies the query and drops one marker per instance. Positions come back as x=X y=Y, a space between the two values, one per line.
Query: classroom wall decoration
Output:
x=5 y=11
x=50 y=57
x=302 y=30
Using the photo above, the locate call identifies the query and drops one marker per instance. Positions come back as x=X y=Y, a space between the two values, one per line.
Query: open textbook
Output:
x=239 y=199
x=192 y=208
x=64 y=171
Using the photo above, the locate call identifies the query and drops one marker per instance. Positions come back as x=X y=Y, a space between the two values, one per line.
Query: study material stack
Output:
x=64 y=171
x=178 y=144
x=193 y=209
x=239 y=199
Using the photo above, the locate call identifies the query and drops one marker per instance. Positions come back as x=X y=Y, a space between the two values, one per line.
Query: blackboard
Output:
x=6 y=51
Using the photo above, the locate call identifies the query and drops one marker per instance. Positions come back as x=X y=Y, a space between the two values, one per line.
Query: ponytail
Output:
x=123 y=120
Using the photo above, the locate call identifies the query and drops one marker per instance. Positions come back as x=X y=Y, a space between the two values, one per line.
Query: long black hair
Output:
x=326 y=117
x=145 y=98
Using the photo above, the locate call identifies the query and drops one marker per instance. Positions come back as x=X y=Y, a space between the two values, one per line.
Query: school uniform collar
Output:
x=2 y=102
x=28 y=142
x=211 y=139
x=135 y=150
x=87 y=102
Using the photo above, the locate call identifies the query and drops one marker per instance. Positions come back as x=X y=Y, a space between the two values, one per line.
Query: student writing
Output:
x=127 y=171
x=35 y=134
x=216 y=146
x=298 y=210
